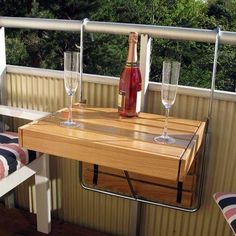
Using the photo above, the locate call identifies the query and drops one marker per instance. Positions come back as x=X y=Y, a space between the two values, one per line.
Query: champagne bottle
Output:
x=129 y=97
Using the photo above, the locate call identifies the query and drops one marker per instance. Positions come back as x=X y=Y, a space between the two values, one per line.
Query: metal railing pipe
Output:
x=40 y=23
x=164 y=32
x=155 y=31
x=227 y=37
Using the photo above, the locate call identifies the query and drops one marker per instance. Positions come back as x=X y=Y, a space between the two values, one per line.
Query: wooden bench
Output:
x=21 y=171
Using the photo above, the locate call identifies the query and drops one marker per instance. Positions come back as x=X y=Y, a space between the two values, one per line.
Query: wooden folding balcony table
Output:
x=107 y=140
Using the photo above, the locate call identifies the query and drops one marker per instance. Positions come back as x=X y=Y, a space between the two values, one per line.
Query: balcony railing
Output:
x=42 y=89
x=155 y=31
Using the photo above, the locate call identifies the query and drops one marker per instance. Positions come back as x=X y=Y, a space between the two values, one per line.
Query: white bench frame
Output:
x=39 y=167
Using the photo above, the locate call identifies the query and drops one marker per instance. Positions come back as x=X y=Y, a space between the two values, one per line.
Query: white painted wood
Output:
x=43 y=197
x=99 y=79
x=19 y=176
x=145 y=54
x=35 y=71
x=109 y=80
x=2 y=51
x=22 y=113
x=198 y=92
x=39 y=168
x=2 y=65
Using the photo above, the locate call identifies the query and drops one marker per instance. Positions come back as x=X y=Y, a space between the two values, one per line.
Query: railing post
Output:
x=2 y=64
x=2 y=51
x=145 y=54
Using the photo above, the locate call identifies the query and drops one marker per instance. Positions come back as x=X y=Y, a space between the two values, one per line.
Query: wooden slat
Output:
x=145 y=122
x=145 y=117
x=91 y=137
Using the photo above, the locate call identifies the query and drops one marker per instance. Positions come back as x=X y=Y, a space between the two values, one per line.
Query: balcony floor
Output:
x=15 y=222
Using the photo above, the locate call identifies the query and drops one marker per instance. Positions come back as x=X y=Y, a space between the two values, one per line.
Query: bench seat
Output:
x=227 y=204
x=17 y=165
x=12 y=156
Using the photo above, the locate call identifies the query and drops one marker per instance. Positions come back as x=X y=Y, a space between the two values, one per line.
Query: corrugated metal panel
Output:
x=220 y=174
x=113 y=215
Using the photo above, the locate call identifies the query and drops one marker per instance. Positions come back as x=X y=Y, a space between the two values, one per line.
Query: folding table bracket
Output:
x=204 y=154
x=135 y=196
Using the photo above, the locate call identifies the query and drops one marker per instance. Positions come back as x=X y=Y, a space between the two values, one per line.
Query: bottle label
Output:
x=138 y=101
x=121 y=99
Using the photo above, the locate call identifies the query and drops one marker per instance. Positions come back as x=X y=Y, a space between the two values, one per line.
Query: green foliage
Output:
x=224 y=15
x=195 y=58
x=106 y=54
x=226 y=76
x=17 y=52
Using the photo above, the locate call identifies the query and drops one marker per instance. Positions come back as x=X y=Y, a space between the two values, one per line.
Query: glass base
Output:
x=164 y=139
x=70 y=124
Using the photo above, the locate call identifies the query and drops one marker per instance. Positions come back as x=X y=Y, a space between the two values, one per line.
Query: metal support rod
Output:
x=81 y=58
x=139 y=200
x=203 y=165
x=208 y=122
x=155 y=31
x=130 y=184
x=213 y=79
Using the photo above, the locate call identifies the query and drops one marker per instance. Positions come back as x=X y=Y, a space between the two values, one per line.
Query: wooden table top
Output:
x=106 y=139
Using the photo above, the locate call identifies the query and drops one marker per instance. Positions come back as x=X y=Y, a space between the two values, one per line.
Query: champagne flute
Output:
x=71 y=82
x=170 y=77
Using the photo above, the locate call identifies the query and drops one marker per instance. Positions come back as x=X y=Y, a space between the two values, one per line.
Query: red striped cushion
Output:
x=12 y=156
x=227 y=204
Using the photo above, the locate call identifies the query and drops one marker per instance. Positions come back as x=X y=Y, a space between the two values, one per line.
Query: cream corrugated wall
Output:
x=220 y=173
x=113 y=215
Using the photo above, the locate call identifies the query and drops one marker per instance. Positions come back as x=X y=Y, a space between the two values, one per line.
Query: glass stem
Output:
x=166 y=123
x=70 y=109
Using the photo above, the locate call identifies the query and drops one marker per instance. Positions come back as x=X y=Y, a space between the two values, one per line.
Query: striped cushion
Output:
x=227 y=203
x=12 y=157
